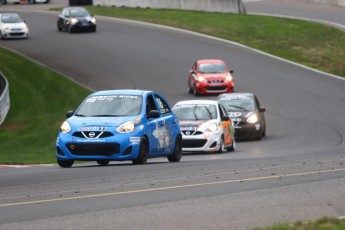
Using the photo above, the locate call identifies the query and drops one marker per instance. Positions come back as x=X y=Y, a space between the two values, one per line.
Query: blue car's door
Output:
x=166 y=130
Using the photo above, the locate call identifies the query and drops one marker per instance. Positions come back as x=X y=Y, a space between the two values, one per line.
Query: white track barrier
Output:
x=4 y=98
x=224 y=6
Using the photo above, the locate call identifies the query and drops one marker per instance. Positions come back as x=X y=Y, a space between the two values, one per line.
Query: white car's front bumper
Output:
x=206 y=142
x=17 y=33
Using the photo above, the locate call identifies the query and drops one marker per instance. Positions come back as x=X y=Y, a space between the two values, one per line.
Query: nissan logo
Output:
x=92 y=134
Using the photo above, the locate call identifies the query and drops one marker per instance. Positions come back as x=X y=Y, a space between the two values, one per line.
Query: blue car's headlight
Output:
x=65 y=127
x=126 y=127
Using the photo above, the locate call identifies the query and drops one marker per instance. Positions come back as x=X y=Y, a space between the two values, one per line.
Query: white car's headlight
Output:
x=5 y=28
x=24 y=27
x=126 y=127
x=252 y=119
x=93 y=20
x=65 y=127
x=212 y=128
x=74 y=21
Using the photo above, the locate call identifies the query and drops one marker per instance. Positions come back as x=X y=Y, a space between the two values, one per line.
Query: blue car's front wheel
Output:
x=65 y=163
x=143 y=152
x=103 y=162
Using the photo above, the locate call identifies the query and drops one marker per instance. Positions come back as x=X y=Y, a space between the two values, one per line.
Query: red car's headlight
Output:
x=201 y=79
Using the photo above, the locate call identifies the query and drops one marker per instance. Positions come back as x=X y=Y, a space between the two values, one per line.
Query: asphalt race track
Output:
x=296 y=173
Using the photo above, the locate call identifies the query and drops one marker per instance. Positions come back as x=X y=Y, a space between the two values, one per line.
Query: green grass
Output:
x=308 y=43
x=325 y=223
x=39 y=99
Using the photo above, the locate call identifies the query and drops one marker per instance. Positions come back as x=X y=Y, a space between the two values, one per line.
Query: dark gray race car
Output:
x=73 y=19
x=246 y=113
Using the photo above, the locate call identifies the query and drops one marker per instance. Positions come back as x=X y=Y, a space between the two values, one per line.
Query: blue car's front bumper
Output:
x=114 y=146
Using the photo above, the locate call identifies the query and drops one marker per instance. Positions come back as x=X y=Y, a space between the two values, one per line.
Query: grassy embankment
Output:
x=39 y=97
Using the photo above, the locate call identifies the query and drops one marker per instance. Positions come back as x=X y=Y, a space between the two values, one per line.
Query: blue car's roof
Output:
x=121 y=91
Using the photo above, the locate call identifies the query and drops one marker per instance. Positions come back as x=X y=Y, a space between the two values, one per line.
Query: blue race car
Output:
x=119 y=125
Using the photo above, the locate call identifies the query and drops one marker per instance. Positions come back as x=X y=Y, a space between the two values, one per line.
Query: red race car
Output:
x=210 y=76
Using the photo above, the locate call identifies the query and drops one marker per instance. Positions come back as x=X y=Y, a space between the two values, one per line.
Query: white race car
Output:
x=12 y=26
x=205 y=126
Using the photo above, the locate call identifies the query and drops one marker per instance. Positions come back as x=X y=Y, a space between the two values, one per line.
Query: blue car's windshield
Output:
x=110 y=105
x=195 y=112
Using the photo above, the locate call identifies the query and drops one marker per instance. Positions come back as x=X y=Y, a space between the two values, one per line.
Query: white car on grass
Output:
x=205 y=126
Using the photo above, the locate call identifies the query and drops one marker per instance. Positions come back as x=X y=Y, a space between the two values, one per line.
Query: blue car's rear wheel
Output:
x=176 y=156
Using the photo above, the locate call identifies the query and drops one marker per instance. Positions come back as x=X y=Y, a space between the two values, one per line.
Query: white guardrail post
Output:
x=4 y=98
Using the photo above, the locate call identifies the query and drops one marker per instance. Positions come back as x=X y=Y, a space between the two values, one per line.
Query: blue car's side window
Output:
x=150 y=104
x=163 y=106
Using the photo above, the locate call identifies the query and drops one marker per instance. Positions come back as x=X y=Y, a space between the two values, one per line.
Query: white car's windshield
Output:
x=110 y=105
x=195 y=112
x=11 y=18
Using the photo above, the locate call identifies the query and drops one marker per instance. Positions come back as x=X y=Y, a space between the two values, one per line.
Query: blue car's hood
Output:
x=76 y=122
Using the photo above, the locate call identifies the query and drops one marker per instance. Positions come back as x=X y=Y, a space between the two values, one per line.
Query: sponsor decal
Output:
x=134 y=140
x=91 y=129
x=109 y=98
x=234 y=114
x=91 y=141
x=163 y=136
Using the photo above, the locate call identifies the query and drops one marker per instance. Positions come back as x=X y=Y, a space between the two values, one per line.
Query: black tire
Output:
x=258 y=136
x=177 y=154
x=103 y=162
x=59 y=27
x=143 y=152
x=221 y=145
x=195 y=93
x=65 y=163
x=4 y=2
x=264 y=130
x=190 y=91
x=233 y=145
x=93 y=30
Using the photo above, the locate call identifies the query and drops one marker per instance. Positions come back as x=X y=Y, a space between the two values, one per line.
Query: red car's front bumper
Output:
x=206 y=88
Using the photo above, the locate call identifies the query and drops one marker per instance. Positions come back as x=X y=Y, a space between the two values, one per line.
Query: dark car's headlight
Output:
x=253 y=118
x=93 y=20
x=73 y=21
x=65 y=127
